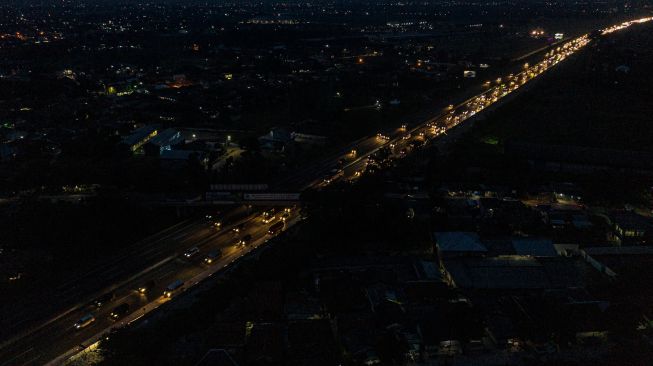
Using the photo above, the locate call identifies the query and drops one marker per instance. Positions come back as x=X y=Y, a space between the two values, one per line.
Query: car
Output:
x=146 y=287
x=217 y=225
x=268 y=219
x=212 y=217
x=276 y=228
x=85 y=321
x=103 y=299
x=246 y=240
x=191 y=252
x=119 y=311
x=238 y=228
x=212 y=256
x=285 y=216
x=333 y=175
x=268 y=216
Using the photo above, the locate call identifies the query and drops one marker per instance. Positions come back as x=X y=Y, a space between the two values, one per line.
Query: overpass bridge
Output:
x=212 y=198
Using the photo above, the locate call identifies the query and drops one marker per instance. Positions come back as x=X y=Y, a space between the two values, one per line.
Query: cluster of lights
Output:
x=512 y=82
x=501 y=87
x=623 y=25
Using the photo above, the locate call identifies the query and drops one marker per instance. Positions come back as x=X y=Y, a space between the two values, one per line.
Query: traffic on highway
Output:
x=199 y=249
x=401 y=141
x=220 y=246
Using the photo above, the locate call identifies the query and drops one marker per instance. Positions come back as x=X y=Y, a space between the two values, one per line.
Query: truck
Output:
x=173 y=288
x=276 y=228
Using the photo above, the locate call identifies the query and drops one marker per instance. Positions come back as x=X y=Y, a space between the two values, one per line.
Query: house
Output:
x=217 y=357
x=276 y=140
x=514 y=272
x=534 y=247
x=311 y=342
x=308 y=138
x=507 y=272
x=489 y=206
x=580 y=159
x=164 y=140
x=183 y=155
x=139 y=137
x=266 y=343
x=459 y=243
x=581 y=221
x=631 y=228
x=299 y=306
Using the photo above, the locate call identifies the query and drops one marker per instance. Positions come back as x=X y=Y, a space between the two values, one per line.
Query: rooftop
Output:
x=513 y=272
x=459 y=241
x=139 y=135
x=534 y=247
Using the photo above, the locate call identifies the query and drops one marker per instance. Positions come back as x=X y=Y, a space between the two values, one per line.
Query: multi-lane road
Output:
x=58 y=336
x=158 y=261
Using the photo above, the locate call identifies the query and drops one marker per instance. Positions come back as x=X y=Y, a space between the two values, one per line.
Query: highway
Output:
x=423 y=130
x=60 y=336
x=399 y=141
x=160 y=258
